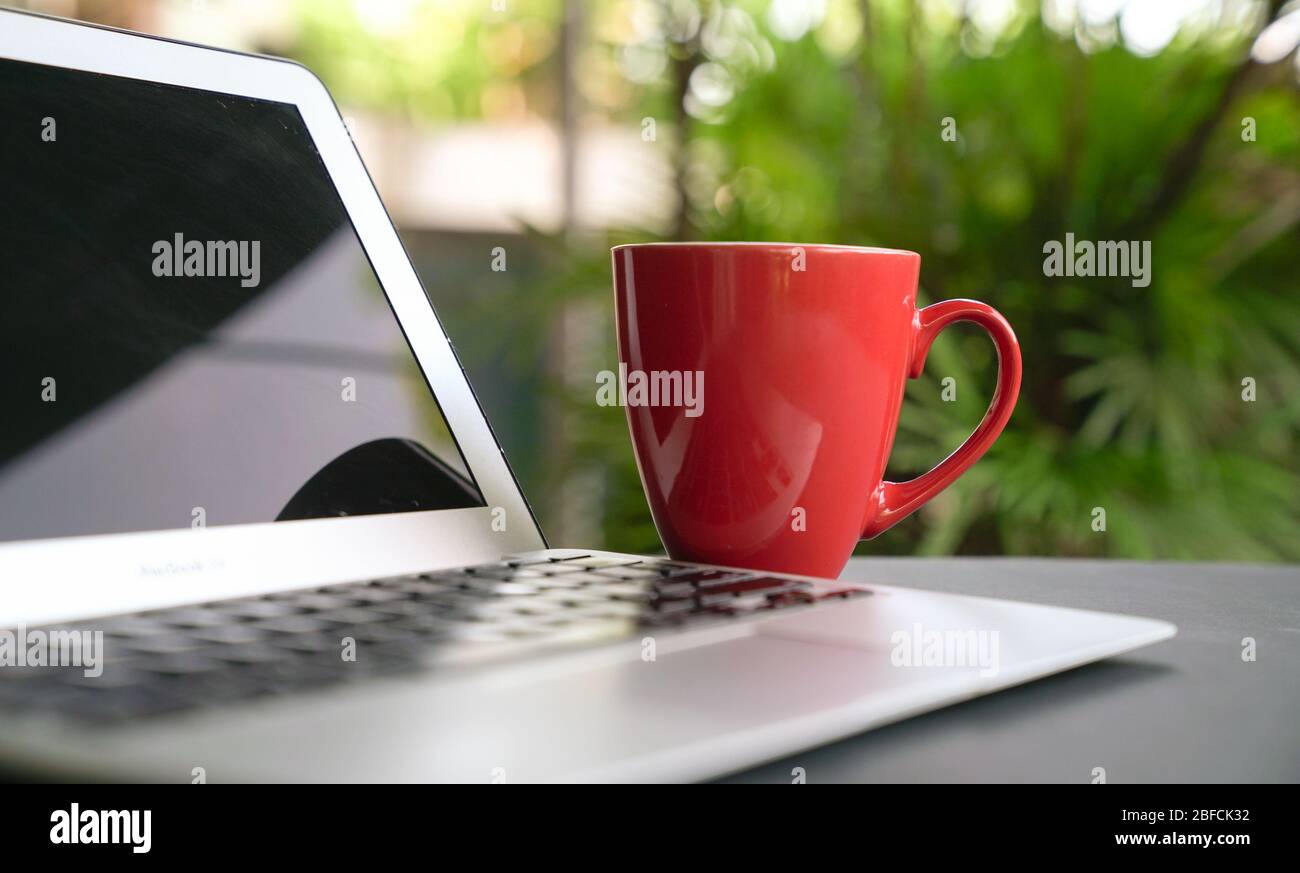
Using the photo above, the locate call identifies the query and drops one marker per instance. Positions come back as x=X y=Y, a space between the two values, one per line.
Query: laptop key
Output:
x=491 y=571
x=290 y=624
x=766 y=584
x=377 y=633
x=707 y=578
x=574 y=597
x=529 y=561
x=507 y=589
x=790 y=598
x=641 y=597
x=671 y=607
x=231 y=634
x=425 y=626
x=671 y=588
x=553 y=570
x=505 y=574
x=612 y=609
x=402 y=608
x=351 y=616
x=255 y=654
x=715 y=598
x=161 y=644
x=575 y=581
x=371 y=596
x=309 y=643
x=673 y=569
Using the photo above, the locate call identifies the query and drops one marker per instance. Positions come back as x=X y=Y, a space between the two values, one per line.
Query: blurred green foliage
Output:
x=1133 y=397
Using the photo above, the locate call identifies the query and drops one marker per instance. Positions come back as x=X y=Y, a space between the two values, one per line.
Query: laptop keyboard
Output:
x=170 y=660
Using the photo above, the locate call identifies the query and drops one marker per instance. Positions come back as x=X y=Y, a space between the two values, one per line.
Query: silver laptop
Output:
x=255 y=526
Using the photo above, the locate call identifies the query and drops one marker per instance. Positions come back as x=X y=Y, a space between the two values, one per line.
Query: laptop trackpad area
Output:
x=684 y=714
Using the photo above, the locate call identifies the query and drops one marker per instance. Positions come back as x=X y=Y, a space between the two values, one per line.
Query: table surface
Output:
x=1189 y=709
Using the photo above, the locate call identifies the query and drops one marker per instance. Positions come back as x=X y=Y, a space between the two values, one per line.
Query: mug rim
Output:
x=871 y=250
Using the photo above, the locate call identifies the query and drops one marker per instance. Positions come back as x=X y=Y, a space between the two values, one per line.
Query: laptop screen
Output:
x=192 y=334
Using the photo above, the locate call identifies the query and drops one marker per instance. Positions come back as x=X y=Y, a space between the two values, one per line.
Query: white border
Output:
x=70 y=578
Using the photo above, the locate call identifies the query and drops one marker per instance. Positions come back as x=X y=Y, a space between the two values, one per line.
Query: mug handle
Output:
x=897 y=500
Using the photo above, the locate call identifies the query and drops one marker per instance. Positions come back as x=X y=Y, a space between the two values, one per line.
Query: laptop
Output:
x=254 y=525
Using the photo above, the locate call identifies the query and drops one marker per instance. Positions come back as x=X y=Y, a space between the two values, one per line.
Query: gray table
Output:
x=1185 y=710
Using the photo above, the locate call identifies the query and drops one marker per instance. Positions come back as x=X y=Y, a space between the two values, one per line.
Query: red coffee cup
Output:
x=762 y=384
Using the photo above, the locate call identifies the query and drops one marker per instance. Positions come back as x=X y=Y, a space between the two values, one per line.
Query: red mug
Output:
x=762 y=385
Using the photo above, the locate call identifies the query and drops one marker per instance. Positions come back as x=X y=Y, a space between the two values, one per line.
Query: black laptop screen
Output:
x=192 y=334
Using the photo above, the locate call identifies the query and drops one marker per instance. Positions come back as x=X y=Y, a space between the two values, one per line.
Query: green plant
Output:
x=1133 y=399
